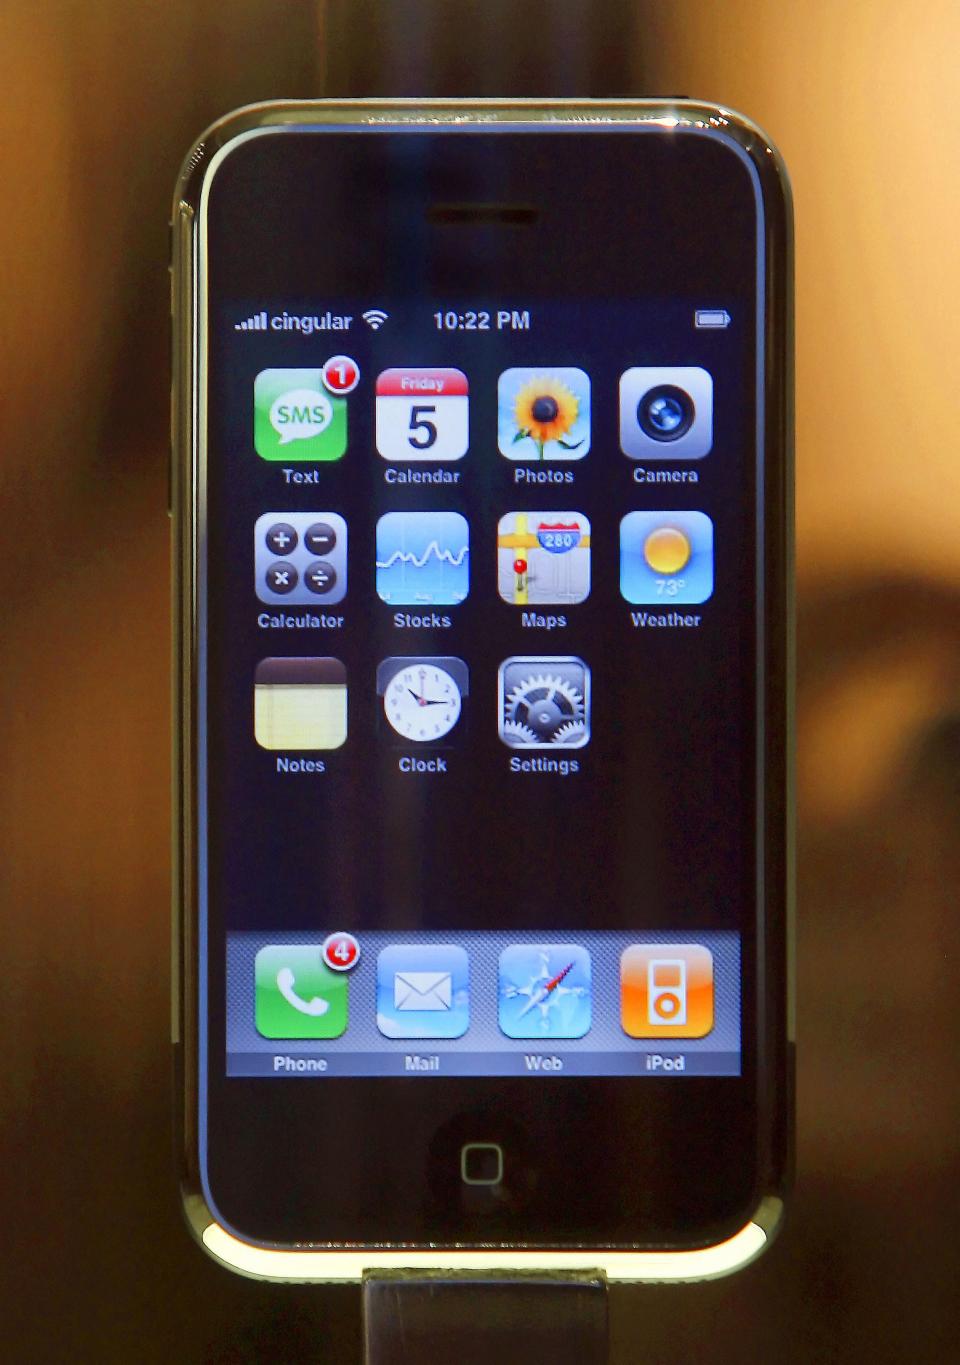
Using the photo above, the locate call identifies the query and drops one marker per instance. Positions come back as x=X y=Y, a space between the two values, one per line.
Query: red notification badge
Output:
x=340 y=951
x=341 y=374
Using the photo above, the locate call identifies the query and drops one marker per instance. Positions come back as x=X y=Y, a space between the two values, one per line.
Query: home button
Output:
x=481 y=1163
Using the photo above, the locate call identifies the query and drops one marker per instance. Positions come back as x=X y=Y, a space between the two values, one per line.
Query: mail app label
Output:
x=423 y=991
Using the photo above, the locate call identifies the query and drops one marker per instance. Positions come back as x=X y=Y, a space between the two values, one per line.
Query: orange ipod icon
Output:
x=666 y=990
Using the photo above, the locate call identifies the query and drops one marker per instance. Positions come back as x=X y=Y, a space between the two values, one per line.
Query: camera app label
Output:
x=666 y=412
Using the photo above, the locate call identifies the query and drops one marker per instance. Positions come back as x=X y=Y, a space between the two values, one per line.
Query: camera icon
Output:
x=666 y=412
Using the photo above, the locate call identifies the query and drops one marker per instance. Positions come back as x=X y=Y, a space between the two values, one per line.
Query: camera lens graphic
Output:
x=665 y=413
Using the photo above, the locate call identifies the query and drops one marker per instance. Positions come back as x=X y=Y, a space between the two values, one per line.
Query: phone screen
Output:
x=480 y=663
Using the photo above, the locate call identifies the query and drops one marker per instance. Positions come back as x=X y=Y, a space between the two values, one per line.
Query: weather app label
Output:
x=423 y=558
x=544 y=990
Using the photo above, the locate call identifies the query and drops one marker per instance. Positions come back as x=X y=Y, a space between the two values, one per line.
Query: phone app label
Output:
x=666 y=990
x=296 y=995
x=300 y=557
x=543 y=557
x=423 y=697
x=423 y=991
x=300 y=703
x=423 y=558
x=543 y=414
x=423 y=414
x=545 y=990
x=544 y=702
x=295 y=417
x=666 y=412
x=666 y=557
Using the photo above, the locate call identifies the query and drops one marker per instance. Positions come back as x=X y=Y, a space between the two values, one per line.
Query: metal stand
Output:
x=412 y=1318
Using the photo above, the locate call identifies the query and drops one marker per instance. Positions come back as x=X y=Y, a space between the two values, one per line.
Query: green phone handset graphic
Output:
x=297 y=995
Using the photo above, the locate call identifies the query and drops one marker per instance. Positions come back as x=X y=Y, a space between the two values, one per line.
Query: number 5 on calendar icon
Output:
x=422 y=414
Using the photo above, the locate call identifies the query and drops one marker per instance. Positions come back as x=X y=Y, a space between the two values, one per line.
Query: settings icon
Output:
x=544 y=702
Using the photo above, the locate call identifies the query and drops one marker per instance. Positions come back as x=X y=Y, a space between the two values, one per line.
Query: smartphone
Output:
x=481 y=497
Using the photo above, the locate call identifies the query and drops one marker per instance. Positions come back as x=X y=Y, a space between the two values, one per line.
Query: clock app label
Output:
x=423 y=699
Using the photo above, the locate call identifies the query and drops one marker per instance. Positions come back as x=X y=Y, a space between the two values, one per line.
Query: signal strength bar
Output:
x=258 y=323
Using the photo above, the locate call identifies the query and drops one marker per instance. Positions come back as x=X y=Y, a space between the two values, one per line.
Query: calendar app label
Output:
x=422 y=414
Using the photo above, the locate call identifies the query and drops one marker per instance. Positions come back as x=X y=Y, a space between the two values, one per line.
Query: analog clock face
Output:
x=422 y=702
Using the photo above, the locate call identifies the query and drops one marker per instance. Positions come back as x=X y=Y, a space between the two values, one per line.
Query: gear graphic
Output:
x=571 y=733
x=515 y=733
x=544 y=703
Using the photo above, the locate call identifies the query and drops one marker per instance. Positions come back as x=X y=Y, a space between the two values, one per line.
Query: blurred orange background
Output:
x=99 y=104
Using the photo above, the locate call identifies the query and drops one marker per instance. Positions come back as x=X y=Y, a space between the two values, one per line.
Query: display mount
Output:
x=410 y=1317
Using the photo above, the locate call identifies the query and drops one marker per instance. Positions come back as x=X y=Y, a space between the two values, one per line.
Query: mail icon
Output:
x=422 y=990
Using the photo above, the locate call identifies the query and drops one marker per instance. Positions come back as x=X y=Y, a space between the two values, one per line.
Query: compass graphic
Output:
x=545 y=990
x=544 y=702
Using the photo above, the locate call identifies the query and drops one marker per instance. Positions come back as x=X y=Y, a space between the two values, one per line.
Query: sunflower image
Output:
x=545 y=410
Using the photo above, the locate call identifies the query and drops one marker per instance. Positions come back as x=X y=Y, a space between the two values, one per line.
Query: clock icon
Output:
x=423 y=696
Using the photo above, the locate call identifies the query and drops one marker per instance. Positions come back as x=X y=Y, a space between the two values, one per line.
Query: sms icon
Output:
x=295 y=417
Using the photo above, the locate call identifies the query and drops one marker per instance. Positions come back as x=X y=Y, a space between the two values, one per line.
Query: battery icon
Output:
x=711 y=317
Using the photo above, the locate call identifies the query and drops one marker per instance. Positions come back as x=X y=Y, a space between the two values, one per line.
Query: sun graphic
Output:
x=545 y=410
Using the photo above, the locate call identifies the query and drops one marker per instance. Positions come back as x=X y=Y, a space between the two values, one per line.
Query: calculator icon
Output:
x=301 y=557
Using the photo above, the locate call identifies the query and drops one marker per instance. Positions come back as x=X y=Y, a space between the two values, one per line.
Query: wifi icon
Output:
x=375 y=318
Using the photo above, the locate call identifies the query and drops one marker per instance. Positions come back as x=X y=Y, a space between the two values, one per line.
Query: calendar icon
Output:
x=422 y=414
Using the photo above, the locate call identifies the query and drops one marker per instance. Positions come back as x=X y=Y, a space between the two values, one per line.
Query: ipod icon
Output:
x=666 y=990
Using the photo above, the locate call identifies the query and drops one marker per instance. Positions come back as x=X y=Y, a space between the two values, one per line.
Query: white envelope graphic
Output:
x=422 y=990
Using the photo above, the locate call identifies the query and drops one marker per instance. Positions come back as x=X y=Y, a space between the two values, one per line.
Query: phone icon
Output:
x=296 y=993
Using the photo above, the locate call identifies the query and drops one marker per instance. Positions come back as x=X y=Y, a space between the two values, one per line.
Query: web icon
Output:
x=545 y=990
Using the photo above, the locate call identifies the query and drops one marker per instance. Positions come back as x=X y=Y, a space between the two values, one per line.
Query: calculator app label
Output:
x=422 y=414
